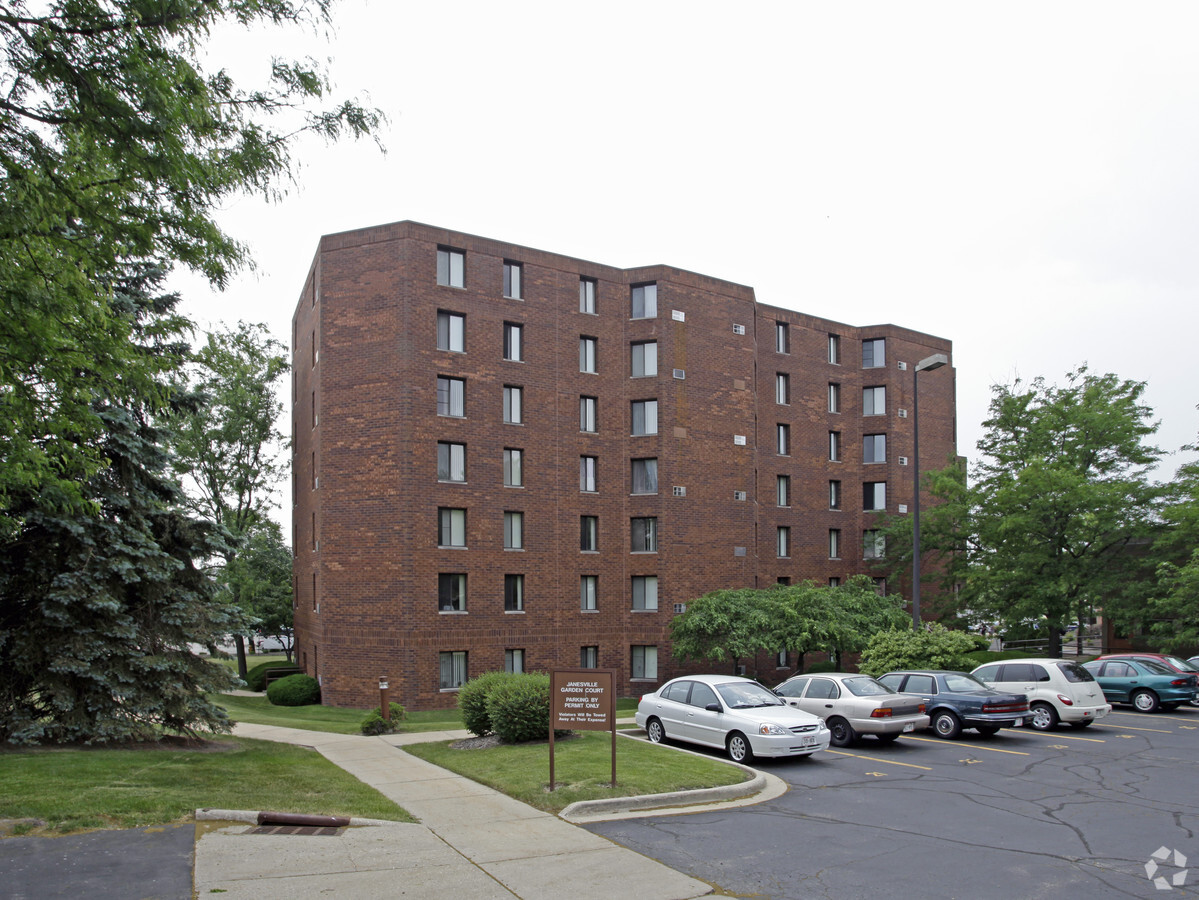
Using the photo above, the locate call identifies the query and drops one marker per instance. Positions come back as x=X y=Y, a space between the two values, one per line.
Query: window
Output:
x=514 y=467
x=587 y=350
x=780 y=660
x=514 y=593
x=834 y=495
x=874 y=495
x=512 y=404
x=589 y=657
x=587 y=411
x=880 y=586
x=451 y=592
x=453 y=670
x=783 y=542
x=514 y=661
x=452 y=527
x=645 y=476
x=587 y=295
x=451 y=396
x=834 y=446
x=645 y=662
x=588 y=533
x=834 y=543
x=645 y=535
x=834 y=581
x=874 y=544
x=783 y=439
x=513 y=341
x=874 y=448
x=874 y=353
x=512 y=273
x=834 y=397
x=834 y=349
x=782 y=338
x=874 y=401
x=782 y=388
x=644 y=301
x=587 y=473
x=644 y=359
x=451 y=332
x=451 y=267
x=451 y=462
x=514 y=524
x=645 y=592
x=588 y=585
x=783 y=490
x=645 y=417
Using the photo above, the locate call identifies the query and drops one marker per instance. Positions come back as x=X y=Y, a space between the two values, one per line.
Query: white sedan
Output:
x=736 y=714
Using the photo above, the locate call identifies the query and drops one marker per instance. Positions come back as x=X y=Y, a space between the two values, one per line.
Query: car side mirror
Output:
x=714 y=707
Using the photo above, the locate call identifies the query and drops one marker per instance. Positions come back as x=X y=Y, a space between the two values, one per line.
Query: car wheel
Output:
x=988 y=729
x=1146 y=701
x=1194 y=702
x=946 y=724
x=655 y=731
x=1044 y=717
x=887 y=738
x=1085 y=724
x=841 y=732
x=739 y=749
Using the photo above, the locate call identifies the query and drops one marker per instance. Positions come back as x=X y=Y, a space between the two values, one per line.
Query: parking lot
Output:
x=1067 y=813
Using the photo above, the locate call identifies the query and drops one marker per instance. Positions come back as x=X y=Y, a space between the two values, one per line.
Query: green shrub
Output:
x=981 y=657
x=981 y=641
x=294 y=690
x=934 y=647
x=374 y=723
x=822 y=665
x=472 y=701
x=519 y=708
x=256 y=676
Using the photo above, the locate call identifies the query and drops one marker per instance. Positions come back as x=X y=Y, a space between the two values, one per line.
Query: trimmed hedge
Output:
x=294 y=690
x=374 y=723
x=256 y=676
x=823 y=665
x=519 y=707
x=472 y=701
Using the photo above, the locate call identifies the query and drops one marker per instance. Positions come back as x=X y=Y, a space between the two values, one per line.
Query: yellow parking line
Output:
x=889 y=762
x=1134 y=728
x=971 y=746
x=1157 y=716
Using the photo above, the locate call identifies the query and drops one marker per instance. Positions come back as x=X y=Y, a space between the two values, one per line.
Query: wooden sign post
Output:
x=582 y=700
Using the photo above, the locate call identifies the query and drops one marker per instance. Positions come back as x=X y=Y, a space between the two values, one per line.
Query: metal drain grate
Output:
x=320 y=830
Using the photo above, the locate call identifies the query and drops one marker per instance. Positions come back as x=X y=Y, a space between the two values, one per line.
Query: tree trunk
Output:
x=240 y=643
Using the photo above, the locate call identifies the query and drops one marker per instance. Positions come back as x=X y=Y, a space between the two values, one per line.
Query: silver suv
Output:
x=1058 y=690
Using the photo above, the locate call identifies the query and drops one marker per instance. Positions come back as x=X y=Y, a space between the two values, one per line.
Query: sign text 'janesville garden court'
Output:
x=582 y=701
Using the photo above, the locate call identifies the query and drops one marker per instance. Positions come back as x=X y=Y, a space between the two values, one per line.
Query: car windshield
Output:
x=960 y=681
x=864 y=686
x=1074 y=672
x=1181 y=664
x=1155 y=667
x=746 y=695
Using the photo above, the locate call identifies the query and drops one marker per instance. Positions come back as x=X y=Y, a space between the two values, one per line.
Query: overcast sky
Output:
x=1021 y=178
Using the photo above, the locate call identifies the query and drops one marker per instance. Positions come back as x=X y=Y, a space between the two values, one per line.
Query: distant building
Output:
x=506 y=458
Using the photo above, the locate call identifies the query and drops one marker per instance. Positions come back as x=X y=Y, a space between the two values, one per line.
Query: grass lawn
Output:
x=582 y=769
x=82 y=789
x=339 y=720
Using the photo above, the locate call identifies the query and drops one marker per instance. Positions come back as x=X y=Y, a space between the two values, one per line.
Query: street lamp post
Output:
x=925 y=365
x=384 y=706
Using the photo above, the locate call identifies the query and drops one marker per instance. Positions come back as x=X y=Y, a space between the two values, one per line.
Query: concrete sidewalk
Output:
x=471 y=841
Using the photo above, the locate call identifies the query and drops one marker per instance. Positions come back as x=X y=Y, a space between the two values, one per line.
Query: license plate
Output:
x=808 y=742
x=911 y=726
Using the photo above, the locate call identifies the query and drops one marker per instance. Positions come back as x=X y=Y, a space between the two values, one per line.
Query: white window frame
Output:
x=454 y=669
x=644 y=662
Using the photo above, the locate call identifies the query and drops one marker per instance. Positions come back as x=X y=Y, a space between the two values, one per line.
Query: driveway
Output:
x=1068 y=813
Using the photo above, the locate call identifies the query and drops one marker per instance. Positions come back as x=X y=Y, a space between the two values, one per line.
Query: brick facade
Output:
x=366 y=536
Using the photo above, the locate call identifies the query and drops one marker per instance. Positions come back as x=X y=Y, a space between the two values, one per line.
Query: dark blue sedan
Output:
x=956 y=700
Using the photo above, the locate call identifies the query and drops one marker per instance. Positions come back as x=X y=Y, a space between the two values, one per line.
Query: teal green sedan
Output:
x=1147 y=685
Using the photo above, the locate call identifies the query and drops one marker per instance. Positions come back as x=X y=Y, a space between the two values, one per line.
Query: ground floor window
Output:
x=645 y=662
x=514 y=661
x=453 y=670
x=589 y=657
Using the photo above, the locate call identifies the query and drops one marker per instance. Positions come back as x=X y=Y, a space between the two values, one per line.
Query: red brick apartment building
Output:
x=506 y=458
